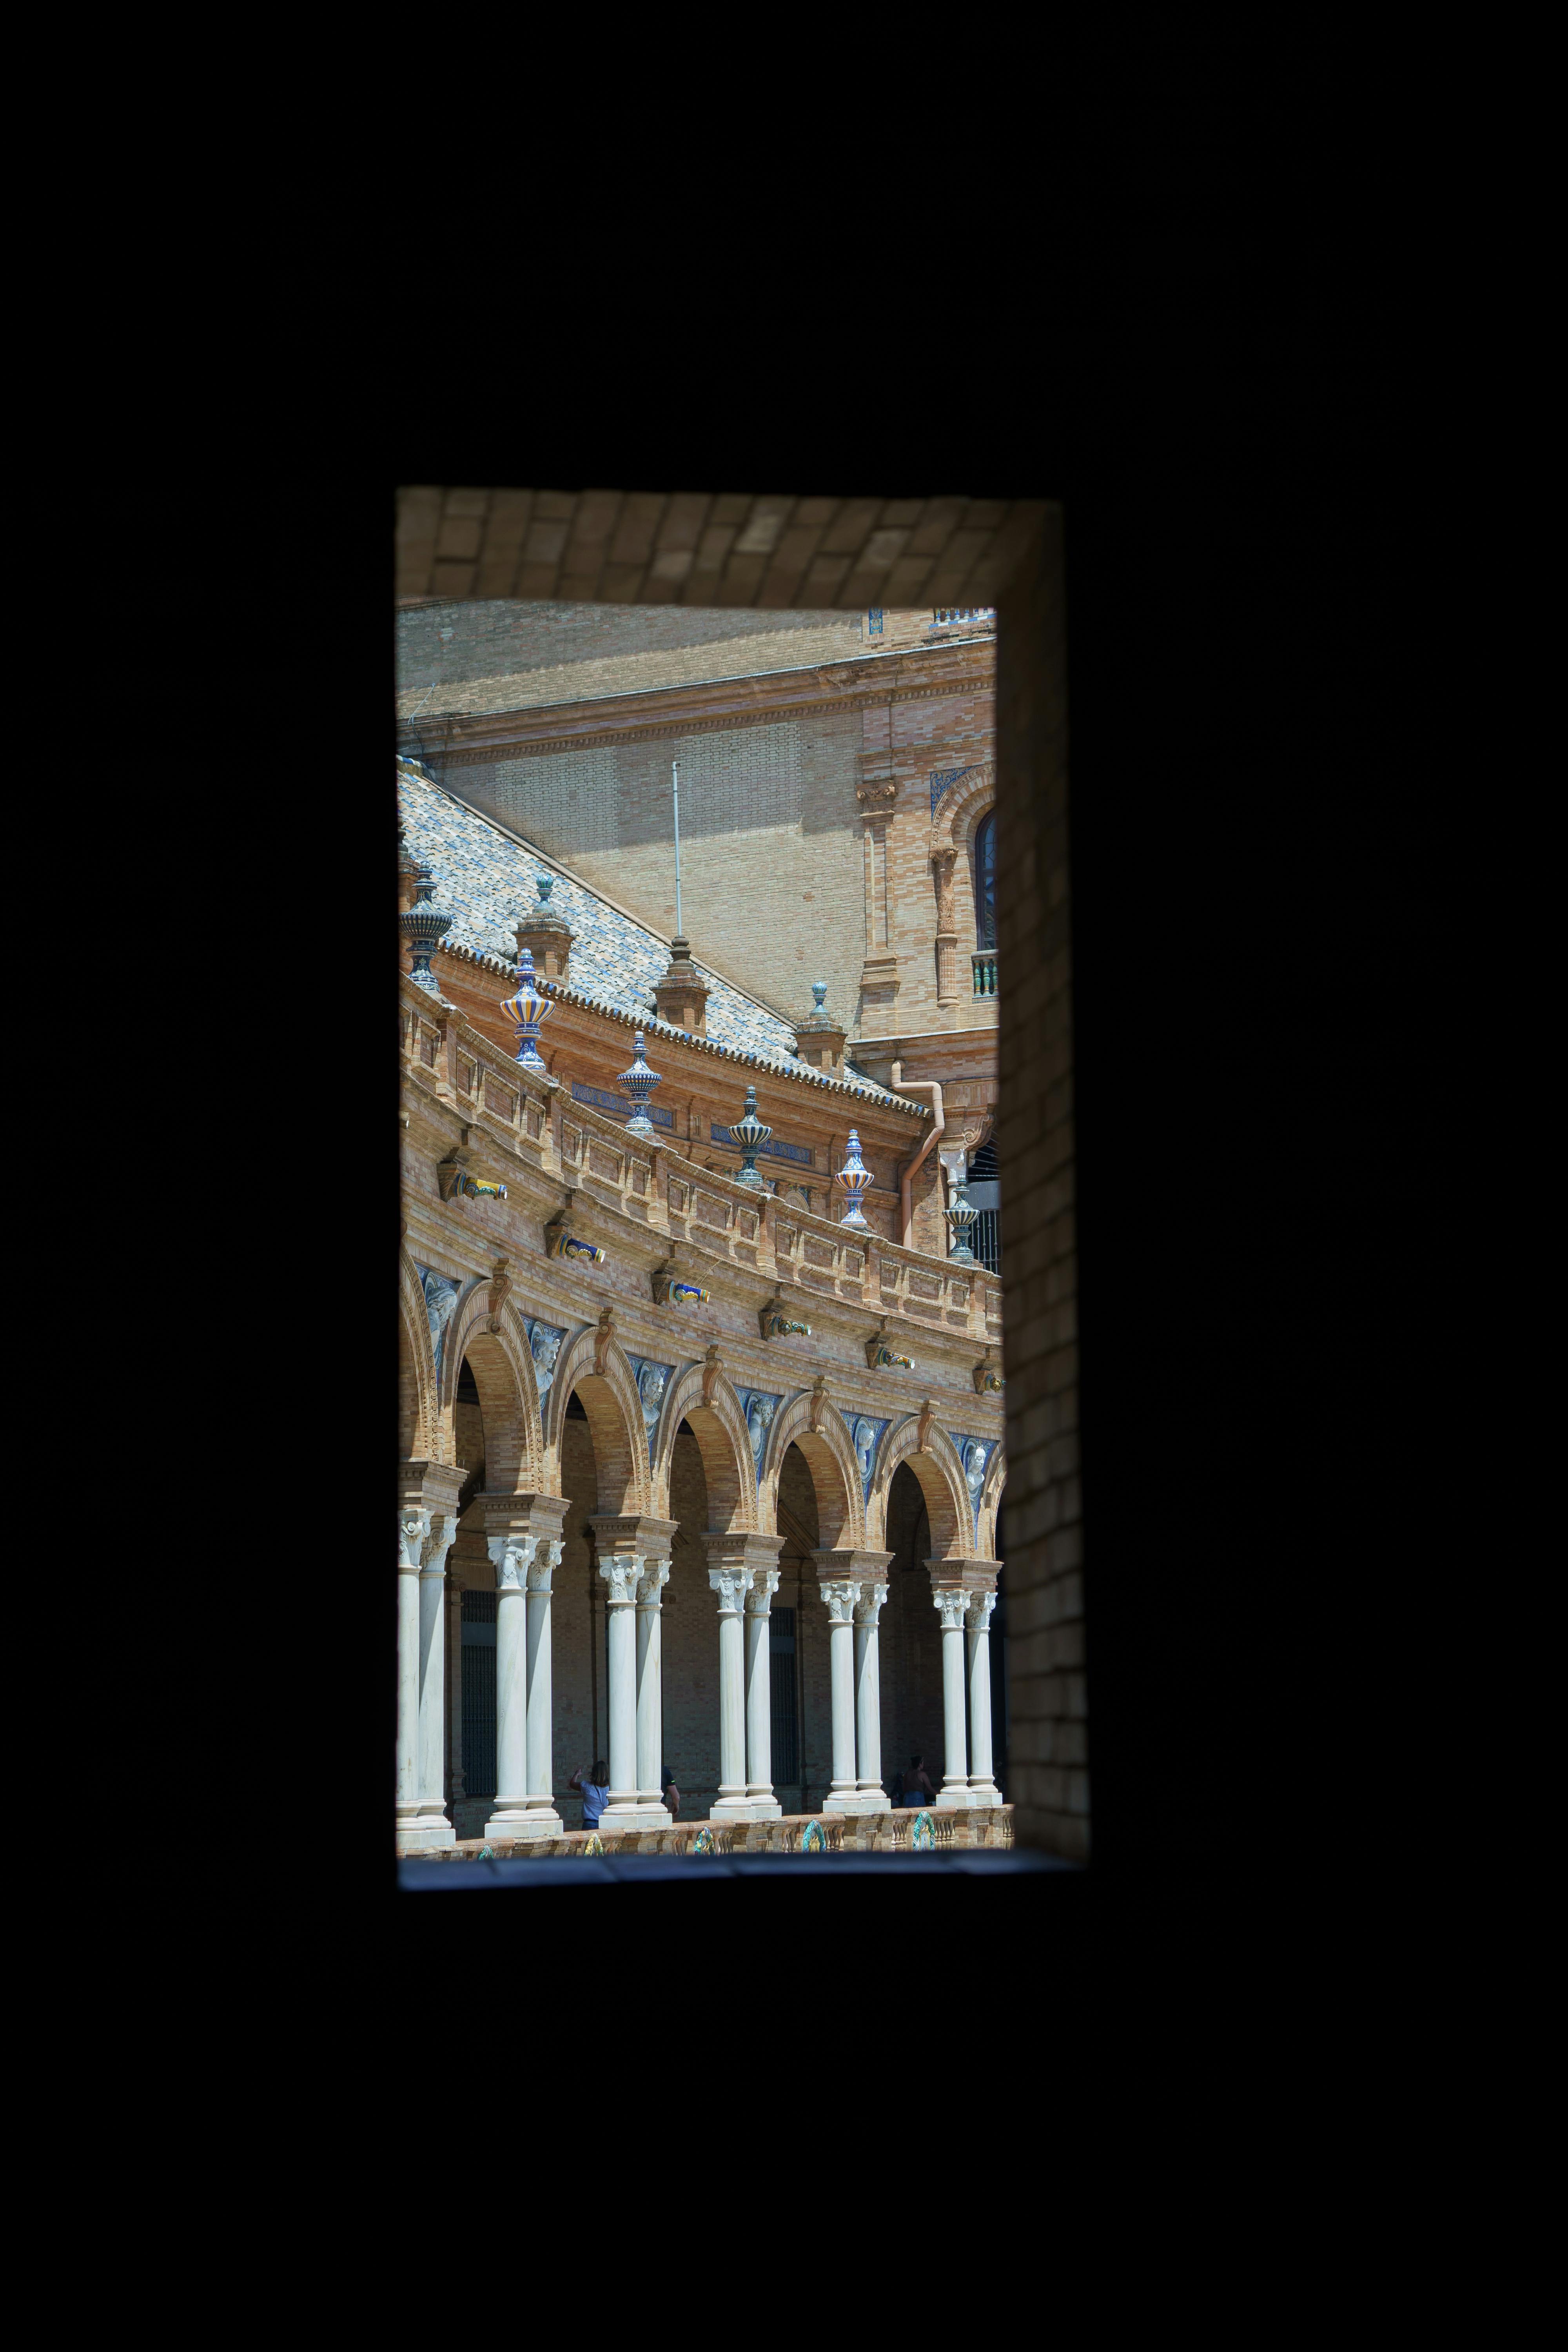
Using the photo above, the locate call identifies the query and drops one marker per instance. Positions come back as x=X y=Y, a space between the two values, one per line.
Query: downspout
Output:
x=937 y=1129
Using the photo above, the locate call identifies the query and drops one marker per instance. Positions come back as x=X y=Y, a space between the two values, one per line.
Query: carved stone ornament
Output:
x=978 y=1614
x=542 y=1565
x=512 y=1557
x=622 y=1572
x=923 y=1427
x=501 y=1284
x=878 y=791
x=950 y=1608
x=841 y=1593
x=712 y=1365
x=869 y=1608
x=456 y=1183
x=729 y=1585
x=819 y=1401
x=412 y=1533
x=602 y=1339
x=943 y=862
x=438 y=1544
x=988 y=1380
x=655 y=1577
x=764 y=1584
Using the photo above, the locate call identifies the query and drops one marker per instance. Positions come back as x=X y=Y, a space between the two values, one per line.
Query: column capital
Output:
x=654 y=1575
x=511 y=1556
x=622 y=1572
x=977 y=1616
x=951 y=1603
x=764 y=1584
x=413 y=1535
x=840 y=1593
x=731 y=1583
x=545 y=1561
x=868 y=1607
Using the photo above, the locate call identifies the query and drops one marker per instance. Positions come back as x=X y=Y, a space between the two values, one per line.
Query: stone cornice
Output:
x=923 y=674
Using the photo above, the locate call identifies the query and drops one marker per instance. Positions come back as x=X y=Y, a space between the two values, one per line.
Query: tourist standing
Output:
x=595 y=1791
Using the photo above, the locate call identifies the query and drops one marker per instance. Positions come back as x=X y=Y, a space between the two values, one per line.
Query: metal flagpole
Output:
x=675 y=778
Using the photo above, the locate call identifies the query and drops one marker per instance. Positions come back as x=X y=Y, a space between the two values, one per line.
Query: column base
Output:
x=616 y=1818
x=764 y=1805
x=521 y=1826
x=958 y=1801
x=985 y=1792
x=734 y=1809
x=857 y=1800
x=418 y=1837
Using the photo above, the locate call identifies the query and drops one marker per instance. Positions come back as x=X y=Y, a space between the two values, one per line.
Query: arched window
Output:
x=986 y=881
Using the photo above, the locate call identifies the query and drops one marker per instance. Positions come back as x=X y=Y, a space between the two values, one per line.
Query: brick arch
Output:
x=942 y=1483
x=502 y=1362
x=613 y=1408
x=960 y=810
x=834 y=1472
x=719 y=1428
x=990 y=1503
x=418 y=1415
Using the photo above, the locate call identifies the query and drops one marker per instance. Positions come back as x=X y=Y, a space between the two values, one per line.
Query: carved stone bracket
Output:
x=924 y=1426
x=712 y=1365
x=604 y=1339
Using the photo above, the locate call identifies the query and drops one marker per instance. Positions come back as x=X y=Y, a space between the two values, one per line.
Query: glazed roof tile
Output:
x=485 y=879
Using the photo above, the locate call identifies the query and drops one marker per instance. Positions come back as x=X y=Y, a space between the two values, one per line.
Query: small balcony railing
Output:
x=984 y=965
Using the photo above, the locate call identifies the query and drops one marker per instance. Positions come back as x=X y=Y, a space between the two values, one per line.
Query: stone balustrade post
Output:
x=522 y=1536
x=759 y=1795
x=873 y=1797
x=634 y=1560
x=982 y=1789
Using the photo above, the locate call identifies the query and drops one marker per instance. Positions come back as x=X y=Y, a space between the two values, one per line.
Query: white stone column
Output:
x=982 y=1789
x=841 y=1593
x=512 y=1556
x=434 y=1827
x=454 y=1790
x=650 y=1670
x=760 y=1797
x=951 y=1604
x=544 y=1820
x=873 y=1797
x=632 y=1550
x=413 y=1534
x=622 y=1572
x=730 y=1582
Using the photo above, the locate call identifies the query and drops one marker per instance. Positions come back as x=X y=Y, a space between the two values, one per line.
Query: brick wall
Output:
x=1048 y=1754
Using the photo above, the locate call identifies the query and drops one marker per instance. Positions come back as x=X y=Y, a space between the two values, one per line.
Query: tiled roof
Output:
x=486 y=880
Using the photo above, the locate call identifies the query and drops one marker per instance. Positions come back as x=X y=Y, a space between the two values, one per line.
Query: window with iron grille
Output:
x=780 y=1689
x=479 y=1625
x=985 y=1195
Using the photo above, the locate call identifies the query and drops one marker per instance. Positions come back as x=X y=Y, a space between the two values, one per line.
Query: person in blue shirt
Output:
x=595 y=1790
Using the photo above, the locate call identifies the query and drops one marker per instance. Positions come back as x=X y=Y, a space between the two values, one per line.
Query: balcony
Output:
x=983 y=963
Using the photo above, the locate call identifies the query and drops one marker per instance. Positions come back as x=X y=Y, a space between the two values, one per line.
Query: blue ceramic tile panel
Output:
x=942 y=778
x=485 y=880
x=759 y=1409
x=975 y=1453
x=865 y=1435
x=652 y=1380
x=544 y=1344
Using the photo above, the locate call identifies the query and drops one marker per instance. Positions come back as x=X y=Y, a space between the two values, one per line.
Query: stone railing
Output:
x=806 y=1835
x=653 y=1184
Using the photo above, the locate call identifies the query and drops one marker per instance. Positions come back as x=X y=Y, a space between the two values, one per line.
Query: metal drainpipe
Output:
x=939 y=1127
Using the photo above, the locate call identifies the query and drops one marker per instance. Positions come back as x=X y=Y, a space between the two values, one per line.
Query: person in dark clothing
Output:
x=671 y=1794
x=917 y=1787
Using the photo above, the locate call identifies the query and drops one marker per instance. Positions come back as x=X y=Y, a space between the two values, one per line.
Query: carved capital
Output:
x=729 y=1585
x=512 y=1557
x=439 y=1542
x=542 y=1565
x=764 y=1584
x=978 y=1614
x=949 y=1607
x=413 y=1534
x=841 y=1593
x=651 y=1583
x=869 y=1608
x=622 y=1572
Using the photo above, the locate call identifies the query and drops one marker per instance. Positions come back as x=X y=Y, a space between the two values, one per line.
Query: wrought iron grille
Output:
x=985 y=1240
x=478 y=1625
x=780 y=1689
